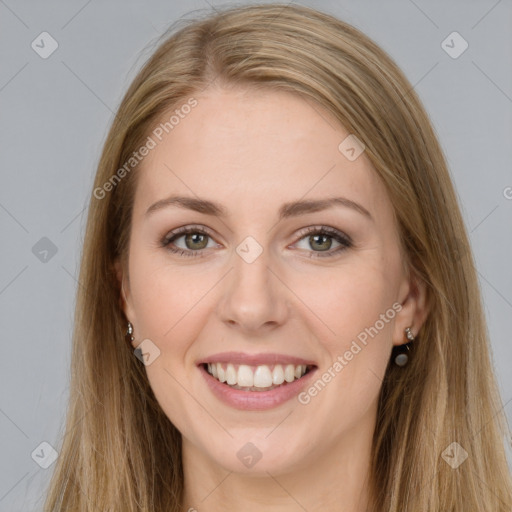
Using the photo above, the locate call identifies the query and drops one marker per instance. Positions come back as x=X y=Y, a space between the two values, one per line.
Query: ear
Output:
x=125 y=295
x=415 y=308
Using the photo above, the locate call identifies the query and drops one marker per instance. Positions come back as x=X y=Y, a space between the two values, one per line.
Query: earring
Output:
x=129 y=331
x=402 y=358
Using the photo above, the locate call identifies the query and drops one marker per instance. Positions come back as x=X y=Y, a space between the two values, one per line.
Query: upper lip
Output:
x=254 y=359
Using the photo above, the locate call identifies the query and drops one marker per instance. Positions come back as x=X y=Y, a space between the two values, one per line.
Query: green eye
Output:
x=196 y=240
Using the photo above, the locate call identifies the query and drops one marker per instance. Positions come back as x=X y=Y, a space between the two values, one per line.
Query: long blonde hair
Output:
x=119 y=450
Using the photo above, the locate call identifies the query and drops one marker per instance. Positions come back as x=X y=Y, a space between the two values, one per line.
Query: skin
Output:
x=252 y=151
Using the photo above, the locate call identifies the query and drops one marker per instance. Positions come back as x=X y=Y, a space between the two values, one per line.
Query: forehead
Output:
x=254 y=148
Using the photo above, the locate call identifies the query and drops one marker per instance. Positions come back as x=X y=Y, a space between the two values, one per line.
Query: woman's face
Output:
x=266 y=285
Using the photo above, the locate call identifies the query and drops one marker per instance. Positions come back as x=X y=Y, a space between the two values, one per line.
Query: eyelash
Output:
x=340 y=237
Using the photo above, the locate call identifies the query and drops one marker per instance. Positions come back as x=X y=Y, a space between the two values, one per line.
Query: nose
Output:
x=255 y=298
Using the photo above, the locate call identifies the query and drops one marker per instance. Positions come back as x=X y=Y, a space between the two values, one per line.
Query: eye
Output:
x=321 y=237
x=196 y=240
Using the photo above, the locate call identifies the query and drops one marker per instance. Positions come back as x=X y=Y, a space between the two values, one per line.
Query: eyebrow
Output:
x=287 y=210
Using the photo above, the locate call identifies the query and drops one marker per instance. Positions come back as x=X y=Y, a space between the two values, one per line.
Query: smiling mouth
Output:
x=256 y=378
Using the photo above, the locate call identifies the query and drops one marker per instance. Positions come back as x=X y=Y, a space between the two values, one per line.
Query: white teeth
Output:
x=221 y=374
x=255 y=377
x=245 y=376
x=289 y=373
x=262 y=377
x=231 y=375
x=278 y=375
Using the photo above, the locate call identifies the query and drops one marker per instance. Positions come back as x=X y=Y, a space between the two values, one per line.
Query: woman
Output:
x=274 y=233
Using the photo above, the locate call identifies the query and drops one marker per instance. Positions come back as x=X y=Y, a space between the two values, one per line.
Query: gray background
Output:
x=55 y=113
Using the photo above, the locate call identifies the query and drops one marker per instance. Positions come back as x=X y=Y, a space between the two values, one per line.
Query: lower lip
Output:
x=256 y=400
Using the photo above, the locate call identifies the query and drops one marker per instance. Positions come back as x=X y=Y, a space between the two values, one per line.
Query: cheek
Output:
x=170 y=310
x=347 y=300
x=171 y=305
x=355 y=306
